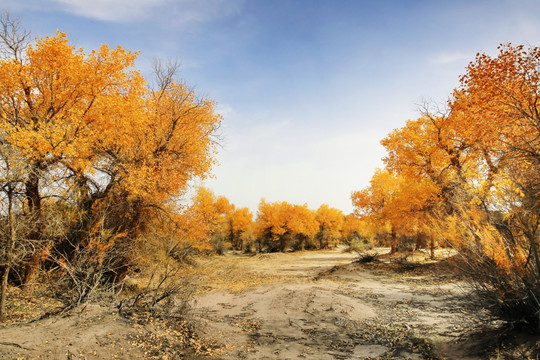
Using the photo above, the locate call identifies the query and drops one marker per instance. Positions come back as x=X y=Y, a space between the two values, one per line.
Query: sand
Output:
x=305 y=305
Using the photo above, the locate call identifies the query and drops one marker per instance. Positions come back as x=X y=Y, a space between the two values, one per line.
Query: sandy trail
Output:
x=326 y=307
x=91 y=332
x=305 y=305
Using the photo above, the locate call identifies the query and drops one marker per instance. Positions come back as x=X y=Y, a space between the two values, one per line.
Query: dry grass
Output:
x=235 y=273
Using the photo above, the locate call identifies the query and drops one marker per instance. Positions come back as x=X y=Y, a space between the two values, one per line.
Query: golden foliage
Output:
x=109 y=148
x=470 y=177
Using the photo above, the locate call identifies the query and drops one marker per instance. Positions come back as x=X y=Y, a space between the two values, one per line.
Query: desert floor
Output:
x=323 y=305
x=304 y=305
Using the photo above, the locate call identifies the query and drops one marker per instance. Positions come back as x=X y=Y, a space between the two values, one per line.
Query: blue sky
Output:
x=307 y=88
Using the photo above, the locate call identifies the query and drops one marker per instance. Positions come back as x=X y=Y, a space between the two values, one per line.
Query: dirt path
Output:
x=319 y=305
x=92 y=332
x=306 y=305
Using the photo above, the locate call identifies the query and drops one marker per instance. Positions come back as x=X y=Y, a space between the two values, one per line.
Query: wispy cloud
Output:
x=225 y=110
x=186 y=12
x=110 y=10
x=450 y=58
x=177 y=12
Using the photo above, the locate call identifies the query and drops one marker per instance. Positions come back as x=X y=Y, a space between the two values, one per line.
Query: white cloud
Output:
x=176 y=12
x=110 y=10
x=450 y=58
x=225 y=110
x=17 y=5
x=185 y=12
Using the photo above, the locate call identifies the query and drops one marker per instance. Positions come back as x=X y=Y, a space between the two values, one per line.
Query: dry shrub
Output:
x=511 y=294
x=501 y=264
x=167 y=288
x=359 y=244
x=364 y=258
x=75 y=280
x=159 y=304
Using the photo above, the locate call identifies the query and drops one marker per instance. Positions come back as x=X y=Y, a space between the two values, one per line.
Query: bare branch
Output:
x=165 y=73
x=14 y=39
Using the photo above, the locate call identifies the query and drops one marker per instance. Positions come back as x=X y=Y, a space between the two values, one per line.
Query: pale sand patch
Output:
x=305 y=305
x=338 y=316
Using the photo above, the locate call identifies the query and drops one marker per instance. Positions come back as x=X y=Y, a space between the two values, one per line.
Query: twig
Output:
x=16 y=345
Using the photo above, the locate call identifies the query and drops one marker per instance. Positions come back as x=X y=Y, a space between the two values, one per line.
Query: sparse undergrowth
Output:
x=163 y=324
x=163 y=334
x=492 y=337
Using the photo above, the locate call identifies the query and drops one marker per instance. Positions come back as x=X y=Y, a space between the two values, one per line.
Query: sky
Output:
x=307 y=88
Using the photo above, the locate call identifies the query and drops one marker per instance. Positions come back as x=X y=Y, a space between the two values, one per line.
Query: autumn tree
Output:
x=469 y=175
x=203 y=220
x=359 y=234
x=353 y=228
x=498 y=102
x=374 y=204
x=330 y=225
x=239 y=226
x=302 y=225
x=212 y=222
x=281 y=224
x=272 y=224
x=111 y=149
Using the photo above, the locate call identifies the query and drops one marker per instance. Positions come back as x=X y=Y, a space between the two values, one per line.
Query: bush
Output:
x=219 y=246
x=512 y=295
x=366 y=258
x=360 y=245
x=78 y=278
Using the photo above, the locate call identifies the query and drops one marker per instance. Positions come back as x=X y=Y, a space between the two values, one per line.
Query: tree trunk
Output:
x=393 y=244
x=9 y=255
x=3 y=291
x=31 y=271
x=33 y=199
x=232 y=238
x=536 y=256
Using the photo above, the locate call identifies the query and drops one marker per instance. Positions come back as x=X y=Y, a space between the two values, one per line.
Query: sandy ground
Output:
x=307 y=305
x=93 y=332
x=326 y=307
